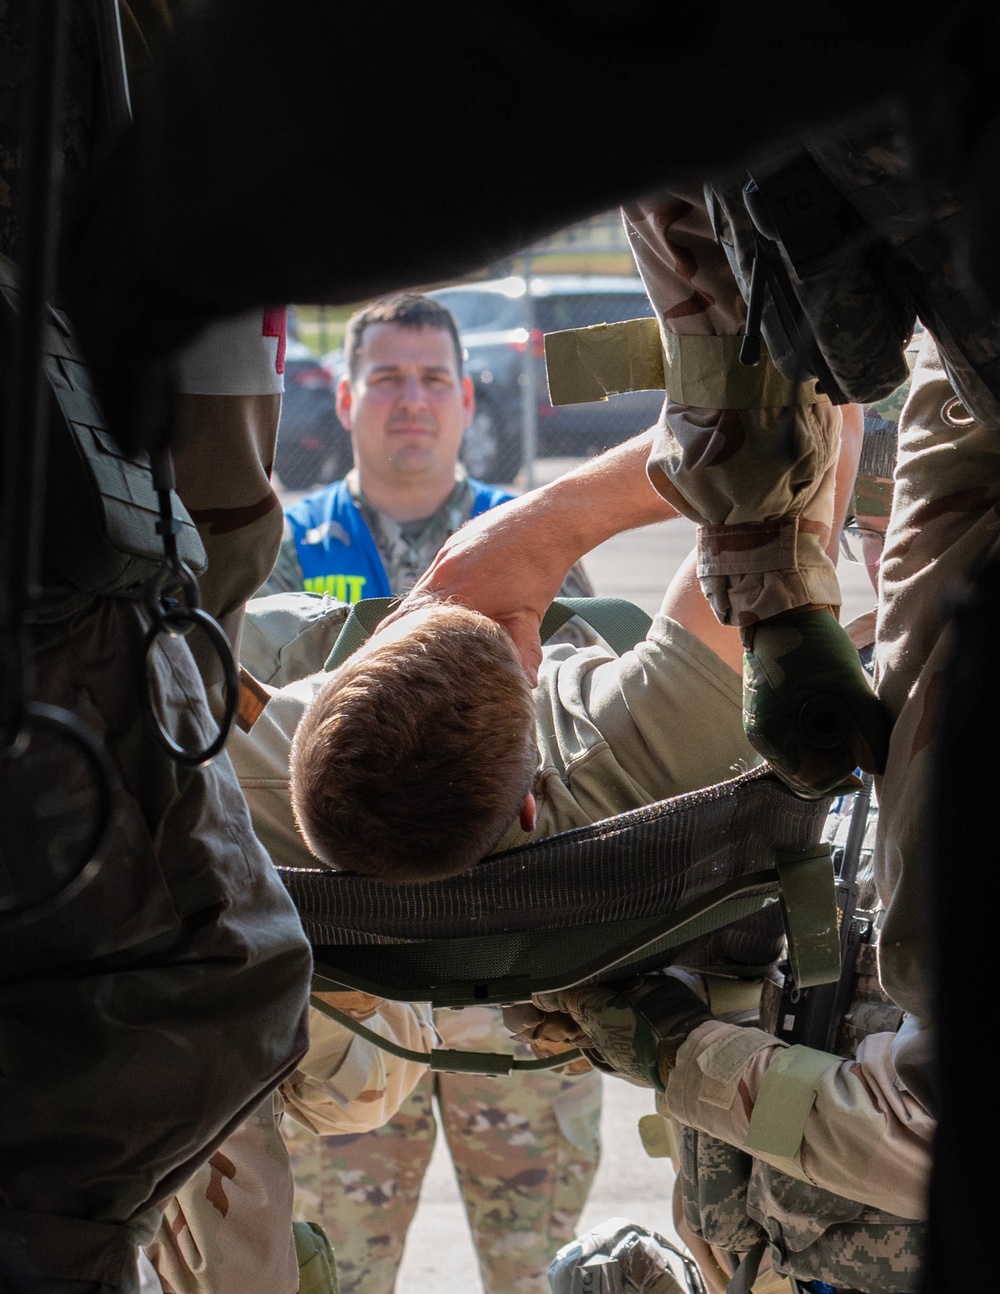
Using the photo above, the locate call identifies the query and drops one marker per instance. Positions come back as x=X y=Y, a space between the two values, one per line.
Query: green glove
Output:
x=635 y=1028
x=808 y=707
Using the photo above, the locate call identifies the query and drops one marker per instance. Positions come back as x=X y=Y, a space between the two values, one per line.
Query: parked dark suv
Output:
x=502 y=329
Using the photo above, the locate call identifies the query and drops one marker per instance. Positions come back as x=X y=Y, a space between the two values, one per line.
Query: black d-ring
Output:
x=177 y=623
x=38 y=715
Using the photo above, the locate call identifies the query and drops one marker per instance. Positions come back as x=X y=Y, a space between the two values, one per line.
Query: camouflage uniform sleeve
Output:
x=346 y=1084
x=863 y=1134
x=759 y=482
x=228 y=1230
x=286 y=575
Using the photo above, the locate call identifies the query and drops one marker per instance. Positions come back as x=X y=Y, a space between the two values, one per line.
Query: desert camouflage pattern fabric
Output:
x=763 y=524
x=185 y=928
x=236 y=511
x=219 y=1232
x=525 y=1151
x=407 y=550
x=229 y=1228
x=944 y=517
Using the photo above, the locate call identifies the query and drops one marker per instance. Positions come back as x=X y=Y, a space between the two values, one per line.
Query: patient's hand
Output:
x=508 y=564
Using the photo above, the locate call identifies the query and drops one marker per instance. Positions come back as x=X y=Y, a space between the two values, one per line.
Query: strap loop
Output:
x=441 y=1059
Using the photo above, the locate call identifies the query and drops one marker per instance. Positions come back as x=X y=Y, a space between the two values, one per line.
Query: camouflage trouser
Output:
x=142 y=1019
x=758 y=481
x=525 y=1150
x=732 y=1201
x=228 y=1230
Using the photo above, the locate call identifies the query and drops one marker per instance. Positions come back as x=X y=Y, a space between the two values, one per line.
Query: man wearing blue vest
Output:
x=406 y=404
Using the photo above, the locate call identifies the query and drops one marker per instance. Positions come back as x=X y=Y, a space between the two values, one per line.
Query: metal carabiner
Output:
x=176 y=617
x=176 y=621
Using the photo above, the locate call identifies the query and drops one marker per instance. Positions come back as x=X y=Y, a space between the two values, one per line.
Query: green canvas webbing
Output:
x=488 y=969
x=619 y=622
x=439 y=1059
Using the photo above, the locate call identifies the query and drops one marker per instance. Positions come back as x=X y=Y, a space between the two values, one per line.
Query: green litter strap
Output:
x=439 y=1058
x=619 y=622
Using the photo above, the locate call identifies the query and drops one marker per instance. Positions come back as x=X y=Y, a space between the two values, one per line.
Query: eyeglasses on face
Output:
x=861 y=544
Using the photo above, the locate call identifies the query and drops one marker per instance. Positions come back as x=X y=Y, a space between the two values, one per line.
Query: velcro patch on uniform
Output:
x=722 y=1064
x=588 y=364
x=253 y=697
x=787 y=1094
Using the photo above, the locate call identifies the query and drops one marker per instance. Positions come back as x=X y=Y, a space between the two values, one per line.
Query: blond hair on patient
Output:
x=417 y=755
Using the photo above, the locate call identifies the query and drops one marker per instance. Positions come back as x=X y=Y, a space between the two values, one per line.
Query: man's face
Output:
x=406 y=407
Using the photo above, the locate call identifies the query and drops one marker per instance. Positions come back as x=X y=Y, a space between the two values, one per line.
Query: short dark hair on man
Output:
x=408 y=310
x=415 y=757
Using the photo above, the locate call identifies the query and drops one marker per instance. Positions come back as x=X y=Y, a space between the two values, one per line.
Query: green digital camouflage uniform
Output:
x=525 y=1148
x=145 y=1017
x=731 y=1199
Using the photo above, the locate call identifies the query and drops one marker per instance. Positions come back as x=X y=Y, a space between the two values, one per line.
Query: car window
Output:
x=476 y=311
x=578 y=309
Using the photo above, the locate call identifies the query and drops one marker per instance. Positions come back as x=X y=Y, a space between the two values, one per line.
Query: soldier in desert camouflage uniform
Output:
x=148 y=1015
x=715 y=1080
x=229 y=1229
x=752 y=458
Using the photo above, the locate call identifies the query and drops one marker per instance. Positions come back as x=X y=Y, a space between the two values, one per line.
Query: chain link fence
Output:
x=581 y=277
